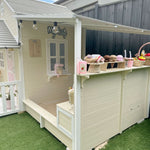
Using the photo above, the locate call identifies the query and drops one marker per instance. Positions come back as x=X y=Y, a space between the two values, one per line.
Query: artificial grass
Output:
x=135 y=138
x=22 y=132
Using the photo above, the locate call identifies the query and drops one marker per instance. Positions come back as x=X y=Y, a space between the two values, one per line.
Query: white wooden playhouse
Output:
x=105 y=103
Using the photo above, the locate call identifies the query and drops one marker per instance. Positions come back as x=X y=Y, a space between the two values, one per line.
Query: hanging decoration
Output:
x=56 y=30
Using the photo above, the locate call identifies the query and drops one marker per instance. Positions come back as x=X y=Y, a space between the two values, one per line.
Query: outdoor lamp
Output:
x=55 y=28
x=34 y=25
x=20 y=23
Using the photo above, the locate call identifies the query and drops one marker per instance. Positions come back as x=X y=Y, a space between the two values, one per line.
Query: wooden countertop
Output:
x=114 y=70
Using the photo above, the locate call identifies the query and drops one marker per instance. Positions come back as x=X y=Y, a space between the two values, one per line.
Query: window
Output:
x=2 y=60
x=57 y=54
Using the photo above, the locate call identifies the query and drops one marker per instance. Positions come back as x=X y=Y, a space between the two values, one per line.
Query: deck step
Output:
x=41 y=111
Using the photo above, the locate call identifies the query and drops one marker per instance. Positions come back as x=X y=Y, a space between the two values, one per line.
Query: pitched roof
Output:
x=37 y=7
x=60 y=1
x=6 y=38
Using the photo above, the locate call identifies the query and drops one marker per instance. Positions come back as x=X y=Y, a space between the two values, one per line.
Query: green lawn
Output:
x=135 y=138
x=22 y=132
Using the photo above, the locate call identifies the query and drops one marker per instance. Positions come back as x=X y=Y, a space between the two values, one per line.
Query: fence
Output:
x=10 y=98
x=132 y=13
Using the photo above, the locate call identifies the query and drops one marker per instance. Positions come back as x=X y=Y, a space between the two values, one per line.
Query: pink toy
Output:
x=58 y=69
x=120 y=58
x=130 y=63
x=100 y=59
x=81 y=67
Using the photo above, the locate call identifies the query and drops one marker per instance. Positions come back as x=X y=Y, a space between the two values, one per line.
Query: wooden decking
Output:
x=51 y=106
x=47 y=120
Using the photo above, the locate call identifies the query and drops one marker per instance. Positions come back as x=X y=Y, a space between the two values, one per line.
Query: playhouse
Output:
x=50 y=42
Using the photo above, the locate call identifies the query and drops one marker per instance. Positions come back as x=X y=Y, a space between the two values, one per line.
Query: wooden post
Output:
x=77 y=56
x=4 y=99
x=12 y=98
x=21 y=75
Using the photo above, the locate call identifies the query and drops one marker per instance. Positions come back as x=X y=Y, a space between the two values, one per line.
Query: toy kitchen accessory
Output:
x=120 y=58
x=59 y=69
x=147 y=56
x=129 y=60
x=94 y=62
x=82 y=67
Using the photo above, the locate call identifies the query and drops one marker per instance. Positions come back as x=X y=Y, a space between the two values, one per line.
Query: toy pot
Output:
x=130 y=63
x=8 y=104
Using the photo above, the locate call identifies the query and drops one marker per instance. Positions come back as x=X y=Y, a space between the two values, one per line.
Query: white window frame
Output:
x=48 y=57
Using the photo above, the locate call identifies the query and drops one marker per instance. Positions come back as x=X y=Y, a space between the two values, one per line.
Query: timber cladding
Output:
x=131 y=13
x=111 y=103
x=100 y=109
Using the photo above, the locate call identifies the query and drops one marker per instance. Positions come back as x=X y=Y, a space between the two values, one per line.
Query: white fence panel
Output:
x=10 y=98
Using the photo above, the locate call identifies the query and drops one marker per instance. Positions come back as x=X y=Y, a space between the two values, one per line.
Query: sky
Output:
x=50 y=1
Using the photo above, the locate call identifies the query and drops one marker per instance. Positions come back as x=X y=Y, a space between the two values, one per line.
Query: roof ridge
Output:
x=50 y=3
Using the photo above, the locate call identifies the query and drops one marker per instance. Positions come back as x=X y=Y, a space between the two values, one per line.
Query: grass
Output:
x=22 y=132
x=135 y=138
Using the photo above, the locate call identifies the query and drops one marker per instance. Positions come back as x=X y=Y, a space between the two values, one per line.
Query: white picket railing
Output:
x=10 y=98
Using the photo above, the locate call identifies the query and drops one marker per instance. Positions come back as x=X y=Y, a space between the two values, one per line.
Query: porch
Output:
x=47 y=99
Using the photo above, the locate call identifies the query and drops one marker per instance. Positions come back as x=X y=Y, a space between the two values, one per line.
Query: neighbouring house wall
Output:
x=132 y=13
x=108 y=2
x=0 y=9
x=76 y=4
x=37 y=86
x=11 y=22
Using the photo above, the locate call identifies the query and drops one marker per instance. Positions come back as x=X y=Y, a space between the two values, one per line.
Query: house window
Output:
x=2 y=60
x=57 y=53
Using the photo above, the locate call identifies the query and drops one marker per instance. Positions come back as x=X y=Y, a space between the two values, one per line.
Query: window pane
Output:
x=52 y=49
x=62 y=61
x=53 y=62
x=62 y=49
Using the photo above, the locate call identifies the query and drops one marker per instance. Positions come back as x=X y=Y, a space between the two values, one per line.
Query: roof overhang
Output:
x=7 y=40
x=87 y=23
x=9 y=47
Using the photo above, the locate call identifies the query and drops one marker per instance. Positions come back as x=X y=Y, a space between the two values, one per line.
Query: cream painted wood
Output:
x=112 y=102
x=3 y=90
x=135 y=98
x=41 y=122
x=37 y=86
x=49 y=121
x=12 y=97
x=100 y=109
x=62 y=137
x=33 y=113
x=147 y=104
x=67 y=107
x=77 y=57
x=65 y=121
x=65 y=118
